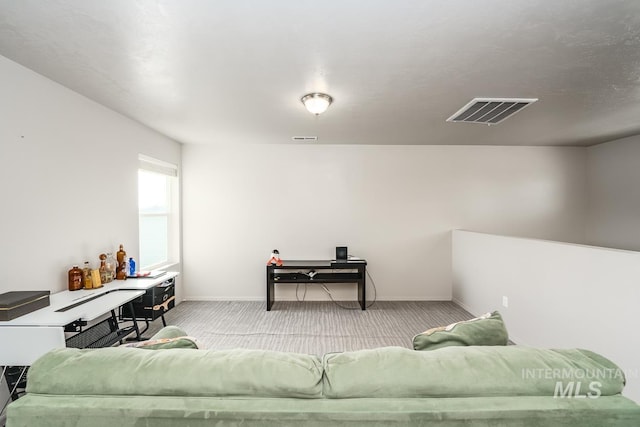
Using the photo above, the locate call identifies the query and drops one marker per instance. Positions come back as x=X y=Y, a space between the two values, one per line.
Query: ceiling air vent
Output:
x=304 y=138
x=490 y=111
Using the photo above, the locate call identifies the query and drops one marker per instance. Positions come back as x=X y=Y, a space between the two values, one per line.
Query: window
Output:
x=158 y=213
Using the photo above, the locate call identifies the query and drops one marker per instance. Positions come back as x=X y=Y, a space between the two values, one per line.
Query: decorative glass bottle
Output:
x=121 y=272
x=86 y=276
x=75 y=278
x=111 y=265
x=132 y=267
x=103 y=268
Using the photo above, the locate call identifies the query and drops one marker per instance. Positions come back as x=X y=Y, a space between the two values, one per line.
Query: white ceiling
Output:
x=205 y=71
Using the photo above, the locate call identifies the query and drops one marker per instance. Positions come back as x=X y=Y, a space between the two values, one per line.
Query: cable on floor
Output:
x=375 y=295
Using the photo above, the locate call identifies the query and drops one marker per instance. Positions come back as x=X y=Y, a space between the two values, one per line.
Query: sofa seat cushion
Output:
x=469 y=371
x=179 y=372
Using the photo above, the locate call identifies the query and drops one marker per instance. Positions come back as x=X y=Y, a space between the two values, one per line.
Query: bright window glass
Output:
x=158 y=219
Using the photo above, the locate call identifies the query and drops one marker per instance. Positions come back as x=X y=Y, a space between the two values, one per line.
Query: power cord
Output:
x=375 y=295
x=375 y=291
x=328 y=292
x=304 y=295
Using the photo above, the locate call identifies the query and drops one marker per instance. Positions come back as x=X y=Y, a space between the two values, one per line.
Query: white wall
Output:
x=614 y=194
x=68 y=180
x=560 y=295
x=393 y=205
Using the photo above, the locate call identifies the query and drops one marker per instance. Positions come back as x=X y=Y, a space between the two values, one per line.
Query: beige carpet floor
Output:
x=310 y=327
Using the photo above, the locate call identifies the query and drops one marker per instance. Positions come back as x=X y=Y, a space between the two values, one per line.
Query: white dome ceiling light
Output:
x=316 y=103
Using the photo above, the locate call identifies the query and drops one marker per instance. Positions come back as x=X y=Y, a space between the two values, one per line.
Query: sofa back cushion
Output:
x=164 y=343
x=395 y=372
x=488 y=329
x=171 y=331
x=179 y=372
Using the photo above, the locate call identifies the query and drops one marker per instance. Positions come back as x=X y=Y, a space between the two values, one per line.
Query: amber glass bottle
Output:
x=75 y=278
x=121 y=256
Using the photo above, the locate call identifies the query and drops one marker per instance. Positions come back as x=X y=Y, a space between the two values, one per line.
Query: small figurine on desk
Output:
x=275 y=258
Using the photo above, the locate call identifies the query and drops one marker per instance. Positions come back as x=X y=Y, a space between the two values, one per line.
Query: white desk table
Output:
x=26 y=338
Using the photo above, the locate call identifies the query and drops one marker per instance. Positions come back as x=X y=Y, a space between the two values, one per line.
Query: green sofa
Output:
x=498 y=386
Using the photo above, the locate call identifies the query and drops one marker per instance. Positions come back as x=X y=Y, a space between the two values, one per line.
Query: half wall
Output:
x=560 y=295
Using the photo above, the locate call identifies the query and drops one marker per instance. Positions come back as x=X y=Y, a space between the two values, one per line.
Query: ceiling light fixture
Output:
x=316 y=103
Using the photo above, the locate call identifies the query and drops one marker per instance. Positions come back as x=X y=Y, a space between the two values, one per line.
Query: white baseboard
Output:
x=209 y=298
x=466 y=307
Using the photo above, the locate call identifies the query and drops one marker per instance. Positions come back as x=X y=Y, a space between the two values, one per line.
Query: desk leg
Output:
x=270 y=289
x=146 y=328
x=133 y=318
x=362 y=287
x=14 y=390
